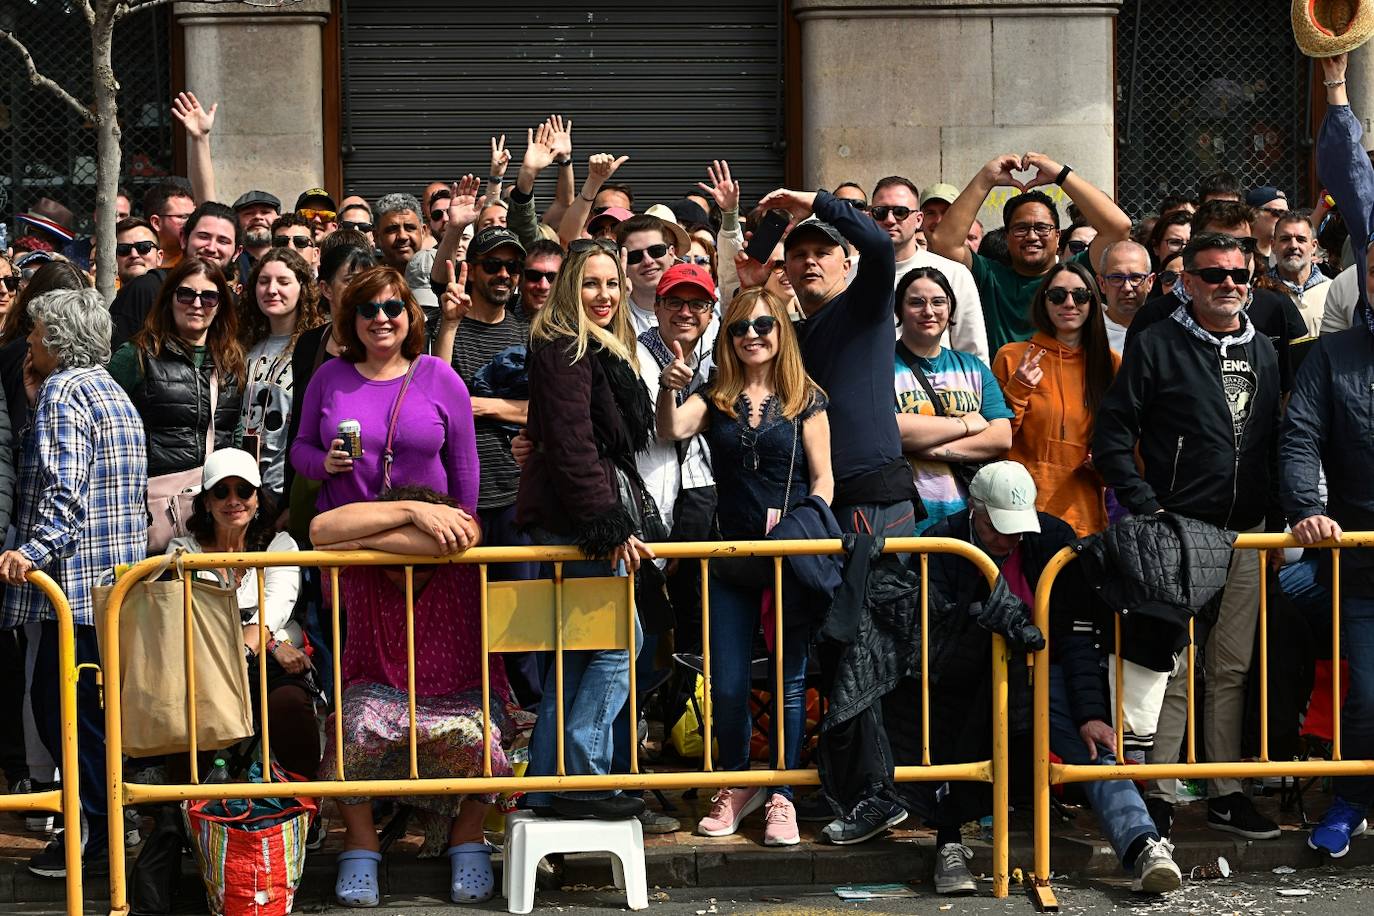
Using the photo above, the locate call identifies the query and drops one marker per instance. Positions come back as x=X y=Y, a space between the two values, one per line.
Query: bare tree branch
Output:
x=38 y=79
x=126 y=7
x=88 y=12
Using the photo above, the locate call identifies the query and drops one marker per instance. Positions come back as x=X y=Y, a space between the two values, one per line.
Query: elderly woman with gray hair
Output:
x=80 y=511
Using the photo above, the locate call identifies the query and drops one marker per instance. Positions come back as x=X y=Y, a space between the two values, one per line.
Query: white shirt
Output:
x=280 y=586
x=642 y=321
x=664 y=476
x=967 y=330
x=1116 y=333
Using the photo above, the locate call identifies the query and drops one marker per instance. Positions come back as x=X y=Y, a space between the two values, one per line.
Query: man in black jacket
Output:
x=1199 y=394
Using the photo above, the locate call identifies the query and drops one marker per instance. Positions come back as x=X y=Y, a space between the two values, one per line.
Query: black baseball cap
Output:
x=815 y=226
x=249 y=198
x=318 y=195
x=490 y=239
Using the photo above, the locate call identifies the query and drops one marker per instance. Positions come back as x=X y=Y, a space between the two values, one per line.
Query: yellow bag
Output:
x=685 y=736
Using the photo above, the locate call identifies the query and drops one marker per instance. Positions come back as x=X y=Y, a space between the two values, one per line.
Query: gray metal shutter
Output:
x=427 y=83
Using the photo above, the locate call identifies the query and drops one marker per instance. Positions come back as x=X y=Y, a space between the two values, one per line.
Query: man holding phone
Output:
x=846 y=341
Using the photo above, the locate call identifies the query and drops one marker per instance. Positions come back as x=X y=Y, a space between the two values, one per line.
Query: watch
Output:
x=563 y=163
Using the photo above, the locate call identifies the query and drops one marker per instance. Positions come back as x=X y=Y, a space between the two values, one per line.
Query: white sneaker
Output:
x=1155 y=870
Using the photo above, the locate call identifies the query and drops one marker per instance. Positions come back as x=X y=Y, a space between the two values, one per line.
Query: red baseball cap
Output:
x=685 y=275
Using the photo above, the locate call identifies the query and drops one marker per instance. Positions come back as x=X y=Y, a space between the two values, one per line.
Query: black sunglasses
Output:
x=241 y=490
x=437 y=214
x=534 y=276
x=580 y=245
x=880 y=213
x=511 y=266
x=653 y=251
x=1076 y=245
x=187 y=296
x=1168 y=277
x=856 y=204
x=301 y=242
x=762 y=325
x=124 y=249
x=1059 y=295
x=393 y=308
x=1216 y=275
x=10 y=283
x=360 y=227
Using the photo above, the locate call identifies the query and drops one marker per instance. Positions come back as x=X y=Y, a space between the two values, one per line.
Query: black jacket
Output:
x=173 y=398
x=1330 y=423
x=1168 y=398
x=131 y=306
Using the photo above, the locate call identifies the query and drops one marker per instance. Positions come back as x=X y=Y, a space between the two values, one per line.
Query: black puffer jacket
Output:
x=173 y=398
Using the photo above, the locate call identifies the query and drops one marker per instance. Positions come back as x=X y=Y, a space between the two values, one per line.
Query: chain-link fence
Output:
x=1206 y=86
x=46 y=148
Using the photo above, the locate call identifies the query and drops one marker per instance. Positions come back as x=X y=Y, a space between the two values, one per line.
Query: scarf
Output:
x=1184 y=316
x=653 y=342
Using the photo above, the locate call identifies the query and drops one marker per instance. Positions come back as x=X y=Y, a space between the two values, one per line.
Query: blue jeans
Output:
x=734 y=620
x=1120 y=810
x=596 y=684
x=1357 y=714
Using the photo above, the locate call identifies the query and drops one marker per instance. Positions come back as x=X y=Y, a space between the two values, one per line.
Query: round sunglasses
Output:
x=762 y=325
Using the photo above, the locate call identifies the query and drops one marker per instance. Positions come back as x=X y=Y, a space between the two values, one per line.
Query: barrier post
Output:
x=1041 y=892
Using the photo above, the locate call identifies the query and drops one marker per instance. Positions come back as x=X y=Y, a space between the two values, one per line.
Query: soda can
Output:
x=351 y=432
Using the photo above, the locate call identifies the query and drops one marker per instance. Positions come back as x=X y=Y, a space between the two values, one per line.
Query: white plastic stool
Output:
x=530 y=838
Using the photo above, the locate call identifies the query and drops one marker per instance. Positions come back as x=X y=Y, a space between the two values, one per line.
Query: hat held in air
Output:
x=1325 y=28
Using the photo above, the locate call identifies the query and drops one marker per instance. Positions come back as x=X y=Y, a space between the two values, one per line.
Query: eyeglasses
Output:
x=762 y=325
x=1021 y=230
x=936 y=303
x=857 y=204
x=1120 y=280
x=1168 y=277
x=749 y=445
x=207 y=297
x=777 y=265
x=241 y=490
x=10 y=283
x=880 y=213
x=496 y=265
x=360 y=227
x=577 y=246
x=699 y=260
x=1059 y=295
x=1214 y=276
x=124 y=249
x=393 y=308
x=1175 y=244
x=312 y=213
x=534 y=276
x=653 y=251
x=1076 y=246
x=301 y=242
x=437 y=214
x=695 y=306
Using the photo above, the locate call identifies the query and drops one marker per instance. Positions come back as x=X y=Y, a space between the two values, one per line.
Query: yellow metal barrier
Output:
x=559 y=615
x=1048 y=775
x=65 y=800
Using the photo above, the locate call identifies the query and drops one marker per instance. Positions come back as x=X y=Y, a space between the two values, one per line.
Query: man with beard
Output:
x=1295 y=242
x=651 y=246
x=1126 y=279
x=256 y=211
x=1032 y=226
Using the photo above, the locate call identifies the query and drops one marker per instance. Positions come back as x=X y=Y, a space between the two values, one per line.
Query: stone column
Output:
x=932 y=89
x=1359 y=75
x=265 y=68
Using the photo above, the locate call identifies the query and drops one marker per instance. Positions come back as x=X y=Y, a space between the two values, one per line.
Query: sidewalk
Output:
x=686 y=860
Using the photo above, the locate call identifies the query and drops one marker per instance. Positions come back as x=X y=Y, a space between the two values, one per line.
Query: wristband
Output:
x=272 y=645
x=590 y=200
x=1063 y=173
x=563 y=163
x=496 y=179
x=1332 y=84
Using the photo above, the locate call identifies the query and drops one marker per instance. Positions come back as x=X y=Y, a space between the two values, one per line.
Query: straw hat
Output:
x=1325 y=28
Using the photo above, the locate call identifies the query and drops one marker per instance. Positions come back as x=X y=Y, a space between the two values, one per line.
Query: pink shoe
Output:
x=728 y=808
x=780 y=822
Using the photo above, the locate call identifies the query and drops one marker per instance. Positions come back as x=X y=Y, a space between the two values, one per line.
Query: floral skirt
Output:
x=376 y=739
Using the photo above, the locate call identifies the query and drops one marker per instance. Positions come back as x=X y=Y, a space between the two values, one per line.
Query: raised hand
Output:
x=601 y=166
x=456 y=302
x=1333 y=68
x=500 y=156
x=539 y=149
x=196 y=120
x=797 y=203
x=750 y=272
x=999 y=172
x=561 y=136
x=1028 y=372
x=462 y=206
x=677 y=375
x=723 y=189
x=1047 y=170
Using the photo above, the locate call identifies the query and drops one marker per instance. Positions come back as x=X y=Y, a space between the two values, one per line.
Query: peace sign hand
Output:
x=500 y=156
x=1029 y=372
x=456 y=302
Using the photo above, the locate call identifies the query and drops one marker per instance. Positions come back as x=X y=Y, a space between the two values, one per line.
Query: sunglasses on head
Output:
x=10 y=283
x=880 y=213
x=243 y=490
x=1058 y=295
x=1076 y=245
x=511 y=266
x=360 y=227
x=699 y=260
x=301 y=242
x=653 y=251
x=534 y=276
x=393 y=308
x=1217 y=275
x=124 y=249
x=312 y=213
x=762 y=325
x=580 y=245
x=187 y=296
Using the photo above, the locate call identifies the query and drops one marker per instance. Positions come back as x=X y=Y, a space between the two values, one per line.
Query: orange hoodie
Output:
x=1052 y=431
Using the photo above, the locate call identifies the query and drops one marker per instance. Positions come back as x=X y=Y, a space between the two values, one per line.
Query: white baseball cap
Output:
x=1006 y=490
x=230 y=462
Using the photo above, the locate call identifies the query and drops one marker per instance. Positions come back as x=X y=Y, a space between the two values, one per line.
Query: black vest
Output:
x=174 y=401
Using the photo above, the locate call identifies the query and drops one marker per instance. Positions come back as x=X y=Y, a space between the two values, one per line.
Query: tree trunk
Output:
x=105 y=86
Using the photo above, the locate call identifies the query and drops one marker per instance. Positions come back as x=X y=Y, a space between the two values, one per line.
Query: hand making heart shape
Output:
x=1025 y=172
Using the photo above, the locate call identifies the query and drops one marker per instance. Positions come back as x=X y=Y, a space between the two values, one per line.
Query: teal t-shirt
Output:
x=1006 y=297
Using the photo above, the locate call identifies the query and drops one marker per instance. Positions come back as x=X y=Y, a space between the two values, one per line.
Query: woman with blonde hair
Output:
x=588 y=415
x=765 y=422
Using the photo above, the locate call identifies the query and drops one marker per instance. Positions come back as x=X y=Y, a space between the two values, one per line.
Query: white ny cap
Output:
x=1006 y=490
x=230 y=462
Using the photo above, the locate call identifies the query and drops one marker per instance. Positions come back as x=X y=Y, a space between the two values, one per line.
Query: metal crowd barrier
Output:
x=1048 y=775
x=559 y=615
x=64 y=801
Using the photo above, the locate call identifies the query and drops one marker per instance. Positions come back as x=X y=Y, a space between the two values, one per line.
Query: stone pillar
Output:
x=1359 y=75
x=265 y=68
x=932 y=89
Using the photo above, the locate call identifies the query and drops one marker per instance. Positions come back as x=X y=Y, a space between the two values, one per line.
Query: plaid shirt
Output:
x=83 y=484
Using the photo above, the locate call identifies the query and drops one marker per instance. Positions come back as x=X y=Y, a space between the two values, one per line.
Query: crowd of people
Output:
x=424 y=373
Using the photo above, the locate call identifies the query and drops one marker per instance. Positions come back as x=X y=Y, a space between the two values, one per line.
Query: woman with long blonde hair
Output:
x=588 y=415
x=765 y=422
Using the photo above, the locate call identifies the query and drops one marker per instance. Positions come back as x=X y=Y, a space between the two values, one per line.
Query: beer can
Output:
x=351 y=432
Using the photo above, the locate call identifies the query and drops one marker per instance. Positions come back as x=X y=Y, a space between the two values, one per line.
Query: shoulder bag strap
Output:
x=910 y=359
x=791 y=467
x=387 y=453
x=214 y=400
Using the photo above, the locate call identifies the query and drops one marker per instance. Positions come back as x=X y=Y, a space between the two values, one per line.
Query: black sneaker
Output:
x=51 y=862
x=814 y=807
x=612 y=808
x=1235 y=813
x=1162 y=813
x=869 y=818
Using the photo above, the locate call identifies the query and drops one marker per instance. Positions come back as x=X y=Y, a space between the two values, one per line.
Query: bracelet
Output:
x=563 y=163
x=496 y=179
x=1332 y=84
x=272 y=645
x=590 y=200
x=1063 y=173
x=965 y=424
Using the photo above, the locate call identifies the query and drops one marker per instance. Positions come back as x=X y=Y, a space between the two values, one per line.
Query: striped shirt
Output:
x=83 y=487
x=475 y=344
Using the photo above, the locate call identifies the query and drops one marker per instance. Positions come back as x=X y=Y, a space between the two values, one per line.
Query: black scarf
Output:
x=631 y=397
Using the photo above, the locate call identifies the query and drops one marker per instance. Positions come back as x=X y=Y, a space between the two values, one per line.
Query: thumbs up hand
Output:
x=677 y=375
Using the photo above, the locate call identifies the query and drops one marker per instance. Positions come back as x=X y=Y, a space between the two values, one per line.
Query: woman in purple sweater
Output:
x=413 y=409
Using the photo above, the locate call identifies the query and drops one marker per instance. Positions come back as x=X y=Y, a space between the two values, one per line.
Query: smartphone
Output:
x=252 y=445
x=767 y=236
